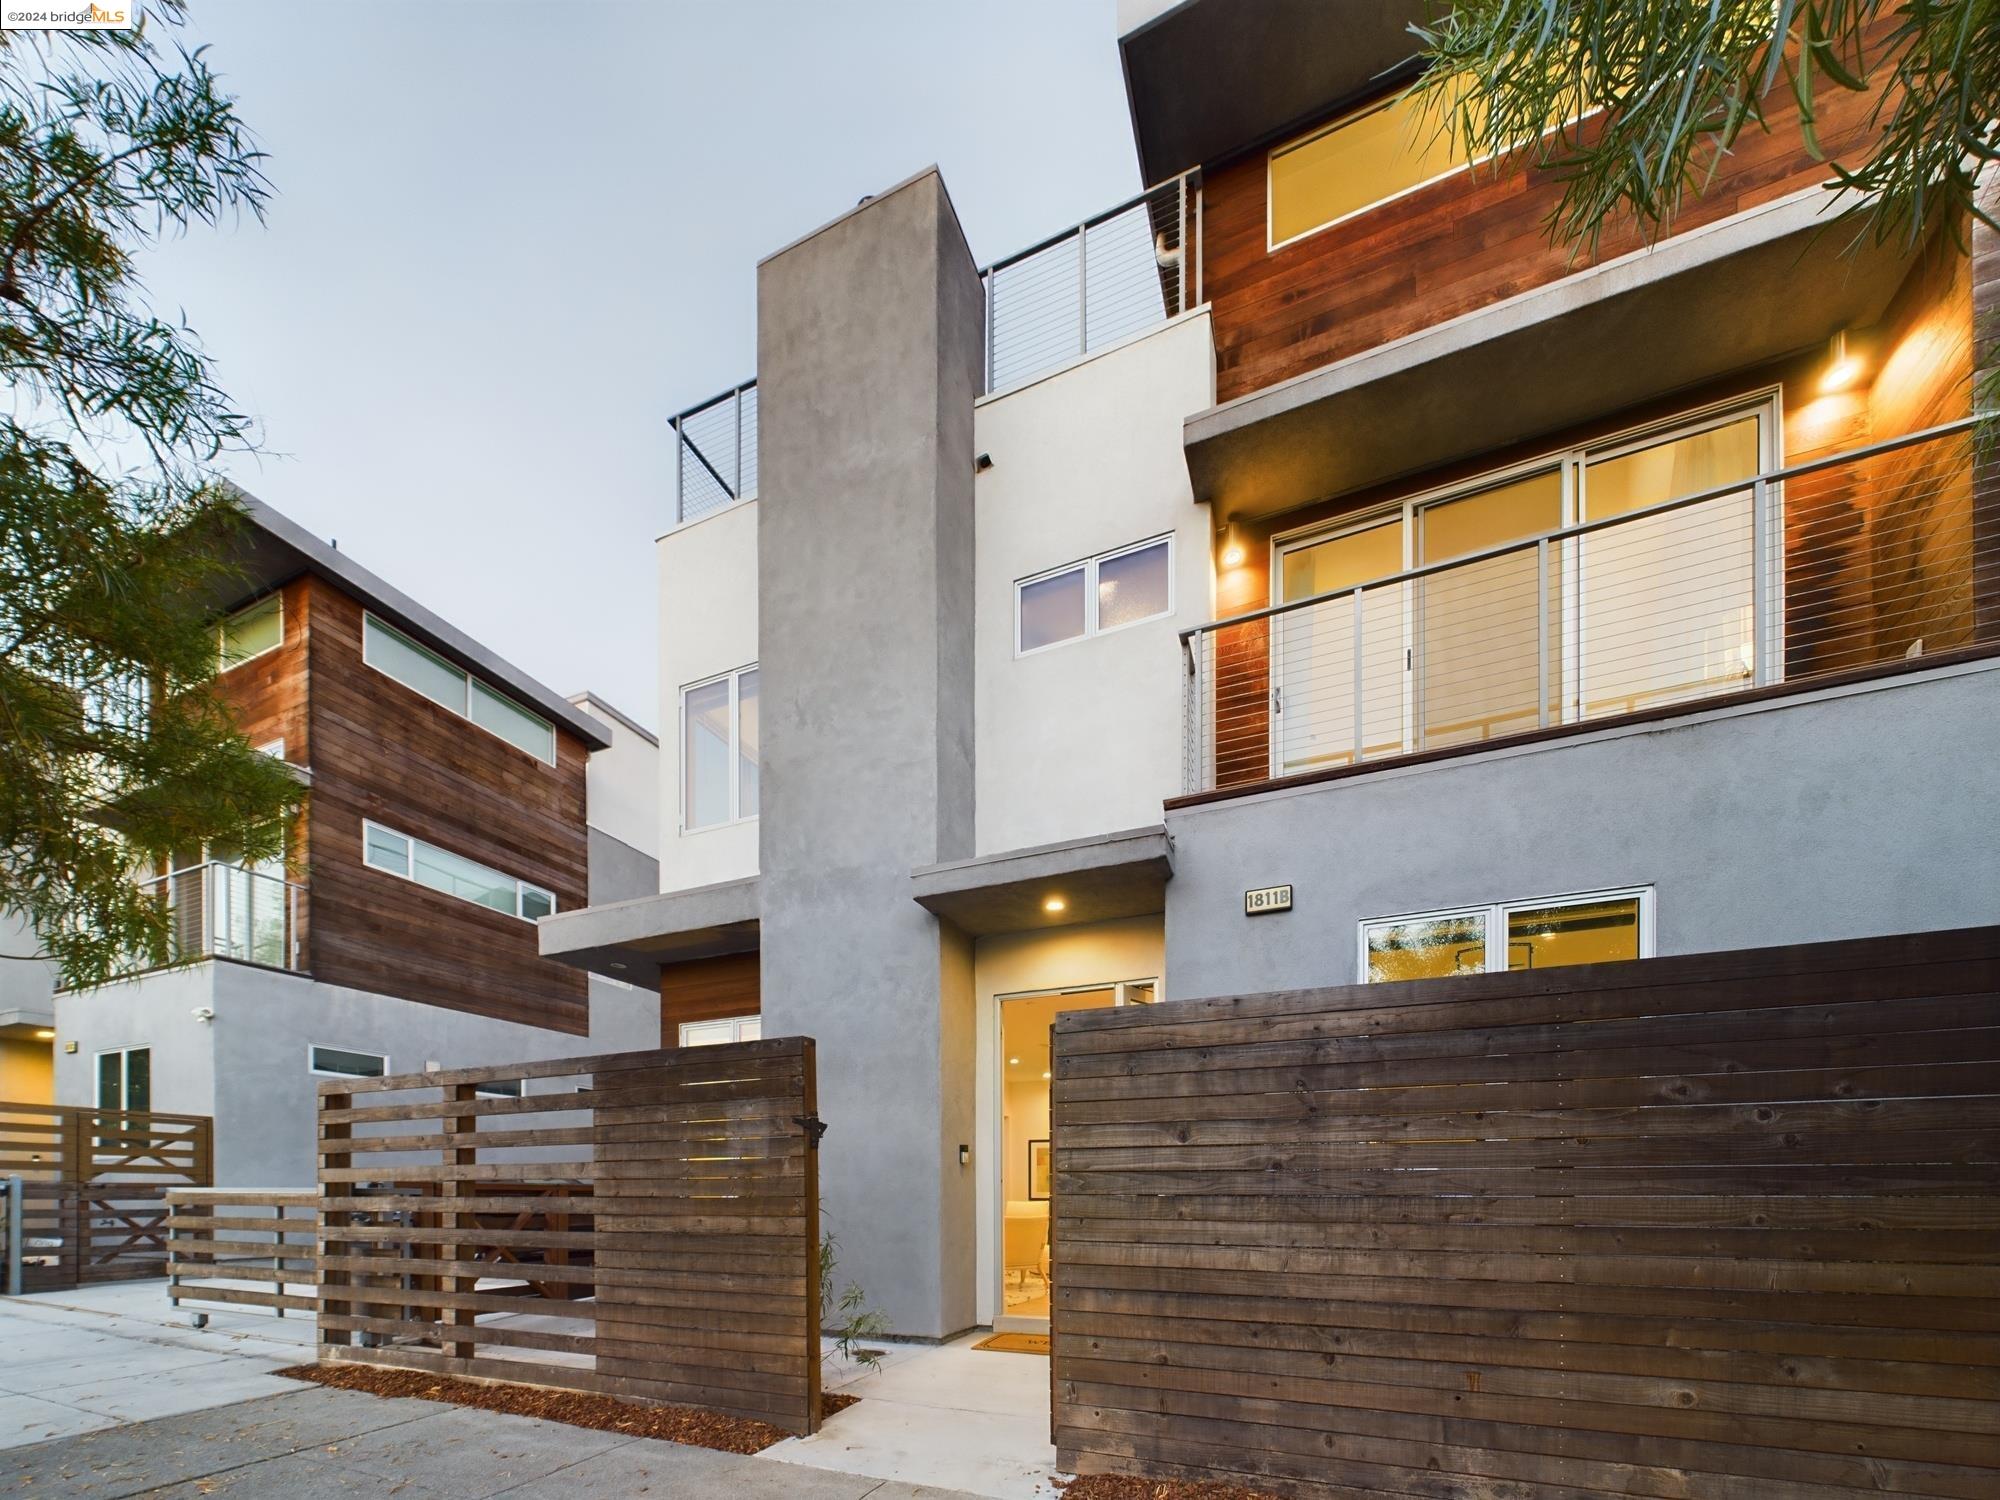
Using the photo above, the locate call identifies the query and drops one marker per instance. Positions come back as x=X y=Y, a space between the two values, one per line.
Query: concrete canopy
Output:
x=1760 y=285
x=632 y=940
x=1207 y=78
x=1097 y=879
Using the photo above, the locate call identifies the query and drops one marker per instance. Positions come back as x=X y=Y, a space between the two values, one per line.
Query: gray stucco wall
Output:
x=618 y=872
x=1869 y=812
x=247 y=1067
x=869 y=347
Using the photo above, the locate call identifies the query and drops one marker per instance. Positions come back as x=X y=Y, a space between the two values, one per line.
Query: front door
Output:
x=1026 y=1166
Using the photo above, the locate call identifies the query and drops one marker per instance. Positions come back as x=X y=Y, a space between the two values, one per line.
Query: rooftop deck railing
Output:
x=1076 y=293
x=1867 y=556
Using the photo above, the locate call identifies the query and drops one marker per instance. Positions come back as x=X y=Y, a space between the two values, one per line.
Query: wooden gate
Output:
x=94 y=1185
x=1710 y=1226
x=644 y=1224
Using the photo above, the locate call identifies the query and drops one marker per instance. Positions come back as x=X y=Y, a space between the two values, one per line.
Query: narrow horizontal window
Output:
x=339 y=1062
x=422 y=670
x=1375 y=154
x=499 y=1088
x=716 y=1033
x=1100 y=594
x=1547 y=933
x=453 y=874
x=251 y=632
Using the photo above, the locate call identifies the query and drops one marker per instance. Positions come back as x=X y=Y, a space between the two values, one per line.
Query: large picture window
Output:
x=1094 y=596
x=1367 y=157
x=719 y=751
x=1549 y=932
x=425 y=863
x=422 y=670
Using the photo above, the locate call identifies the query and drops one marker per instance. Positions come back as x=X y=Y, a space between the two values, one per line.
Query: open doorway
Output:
x=1025 y=1164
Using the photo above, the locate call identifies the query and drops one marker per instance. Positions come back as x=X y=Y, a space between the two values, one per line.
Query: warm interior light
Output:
x=1843 y=367
x=1055 y=903
x=45 y=1036
x=1013 y=1062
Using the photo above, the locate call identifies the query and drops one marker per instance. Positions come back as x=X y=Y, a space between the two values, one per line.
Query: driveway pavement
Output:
x=313 y=1443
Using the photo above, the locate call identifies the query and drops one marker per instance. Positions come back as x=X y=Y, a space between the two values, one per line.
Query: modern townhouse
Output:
x=451 y=802
x=1301 y=575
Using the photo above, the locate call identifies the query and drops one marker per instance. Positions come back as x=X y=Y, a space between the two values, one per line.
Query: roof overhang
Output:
x=1207 y=78
x=1097 y=880
x=272 y=549
x=634 y=940
x=1758 y=286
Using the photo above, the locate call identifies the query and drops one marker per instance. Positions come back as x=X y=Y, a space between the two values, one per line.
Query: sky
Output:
x=508 y=240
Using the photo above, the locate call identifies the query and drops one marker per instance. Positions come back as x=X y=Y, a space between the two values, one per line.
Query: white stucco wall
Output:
x=623 y=782
x=708 y=625
x=1084 y=738
x=1015 y=963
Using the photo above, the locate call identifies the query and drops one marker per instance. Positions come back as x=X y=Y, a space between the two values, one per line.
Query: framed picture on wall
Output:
x=1038 y=1170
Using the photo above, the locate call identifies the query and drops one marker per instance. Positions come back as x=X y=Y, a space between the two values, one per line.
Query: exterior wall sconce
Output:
x=1843 y=366
x=1232 y=551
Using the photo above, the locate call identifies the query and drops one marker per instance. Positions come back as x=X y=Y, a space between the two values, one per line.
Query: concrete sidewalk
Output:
x=313 y=1443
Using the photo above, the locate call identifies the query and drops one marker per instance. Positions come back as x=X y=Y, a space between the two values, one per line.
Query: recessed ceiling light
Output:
x=1013 y=1062
x=45 y=1035
x=1046 y=1075
x=1055 y=903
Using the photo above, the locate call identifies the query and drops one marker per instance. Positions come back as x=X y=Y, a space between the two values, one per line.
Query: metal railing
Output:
x=1862 y=557
x=1114 y=275
x=715 y=454
x=218 y=910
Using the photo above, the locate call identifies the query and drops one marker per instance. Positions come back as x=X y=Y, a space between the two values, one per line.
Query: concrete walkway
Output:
x=96 y=1385
x=319 y=1444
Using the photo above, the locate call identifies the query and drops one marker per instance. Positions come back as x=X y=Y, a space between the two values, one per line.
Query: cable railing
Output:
x=217 y=910
x=1867 y=556
x=1079 y=292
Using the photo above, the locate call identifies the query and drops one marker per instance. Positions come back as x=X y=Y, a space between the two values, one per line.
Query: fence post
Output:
x=13 y=1232
x=453 y=1190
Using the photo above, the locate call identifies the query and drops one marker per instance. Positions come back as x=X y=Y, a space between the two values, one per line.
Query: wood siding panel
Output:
x=1718 y=1225
x=383 y=752
x=663 y=1224
x=707 y=989
x=1452 y=247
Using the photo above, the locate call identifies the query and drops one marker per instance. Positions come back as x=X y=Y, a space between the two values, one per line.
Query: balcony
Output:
x=1108 y=279
x=217 y=910
x=1871 y=558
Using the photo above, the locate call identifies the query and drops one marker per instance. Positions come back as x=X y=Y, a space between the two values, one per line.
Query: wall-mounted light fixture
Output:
x=1843 y=366
x=1233 y=550
x=1053 y=904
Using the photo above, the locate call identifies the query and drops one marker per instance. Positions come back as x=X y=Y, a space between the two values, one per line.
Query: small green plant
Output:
x=845 y=1314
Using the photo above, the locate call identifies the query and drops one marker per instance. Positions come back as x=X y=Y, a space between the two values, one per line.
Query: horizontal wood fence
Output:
x=1721 y=1226
x=642 y=1225
x=94 y=1188
x=243 y=1248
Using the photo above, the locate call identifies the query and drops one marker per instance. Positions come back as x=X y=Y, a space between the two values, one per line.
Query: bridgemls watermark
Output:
x=43 y=15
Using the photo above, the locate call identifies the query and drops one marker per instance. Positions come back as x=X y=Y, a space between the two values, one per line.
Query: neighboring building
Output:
x=1587 y=605
x=448 y=810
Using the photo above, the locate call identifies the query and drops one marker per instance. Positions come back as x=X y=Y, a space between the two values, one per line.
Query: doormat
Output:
x=1015 y=1343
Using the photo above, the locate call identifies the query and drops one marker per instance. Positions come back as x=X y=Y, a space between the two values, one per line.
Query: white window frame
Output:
x=318 y=1072
x=1764 y=402
x=222 y=662
x=408 y=872
x=124 y=1074
x=734 y=677
x=1495 y=916
x=735 y=1024
x=1089 y=567
x=370 y=617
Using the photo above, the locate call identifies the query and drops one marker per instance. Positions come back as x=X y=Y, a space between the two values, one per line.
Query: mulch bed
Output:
x=676 y=1424
x=1126 y=1487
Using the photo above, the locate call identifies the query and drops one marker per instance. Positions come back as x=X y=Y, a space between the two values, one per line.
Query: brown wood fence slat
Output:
x=243 y=1248
x=644 y=1226
x=94 y=1186
x=1720 y=1225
